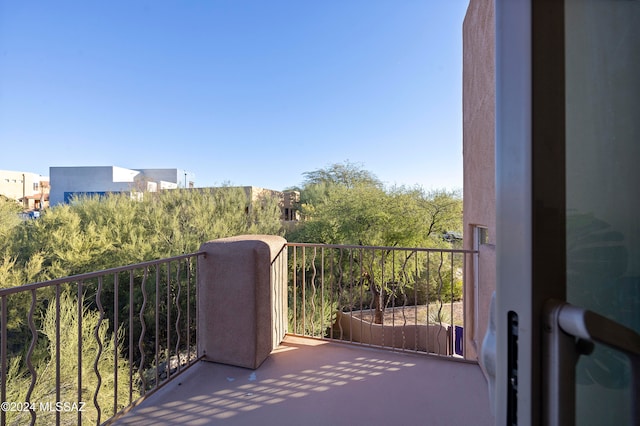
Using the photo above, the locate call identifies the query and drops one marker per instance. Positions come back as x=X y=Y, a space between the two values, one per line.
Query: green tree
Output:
x=19 y=379
x=95 y=233
x=9 y=220
x=369 y=215
x=345 y=174
x=346 y=205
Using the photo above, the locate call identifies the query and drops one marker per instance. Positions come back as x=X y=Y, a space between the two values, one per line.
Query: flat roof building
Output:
x=69 y=182
x=30 y=189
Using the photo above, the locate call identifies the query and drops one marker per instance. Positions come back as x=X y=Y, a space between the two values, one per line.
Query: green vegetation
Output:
x=92 y=234
x=344 y=204
x=18 y=380
x=98 y=233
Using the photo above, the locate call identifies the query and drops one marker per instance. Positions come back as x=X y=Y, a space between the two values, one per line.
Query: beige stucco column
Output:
x=478 y=105
x=242 y=299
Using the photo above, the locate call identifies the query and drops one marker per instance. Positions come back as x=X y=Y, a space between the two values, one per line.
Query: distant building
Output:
x=30 y=189
x=70 y=182
x=290 y=206
x=287 y=200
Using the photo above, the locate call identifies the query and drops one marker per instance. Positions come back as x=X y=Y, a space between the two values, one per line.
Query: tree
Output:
x=369 y=215
x=9 y=219
x=95 y=233
x=101 y=232
x=348 y=206
x=18 y=378
x=344 y=174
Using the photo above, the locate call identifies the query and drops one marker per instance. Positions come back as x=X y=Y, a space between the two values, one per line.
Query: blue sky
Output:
x=247 y=92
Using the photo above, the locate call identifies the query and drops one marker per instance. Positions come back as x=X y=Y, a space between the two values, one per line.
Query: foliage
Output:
x=9 y=220
x=346 y=174
x=19 y=379
x=97 y=233
x=311 y=311
x=346 y=205
x=350 y=207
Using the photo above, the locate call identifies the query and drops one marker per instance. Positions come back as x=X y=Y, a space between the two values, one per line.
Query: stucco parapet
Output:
x=273 y=243
x=240 y=301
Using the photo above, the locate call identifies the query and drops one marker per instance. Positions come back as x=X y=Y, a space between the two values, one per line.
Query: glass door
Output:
x=568 y=208
x=602 y=110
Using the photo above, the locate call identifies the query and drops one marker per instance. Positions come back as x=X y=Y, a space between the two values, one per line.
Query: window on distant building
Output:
x=36 y=187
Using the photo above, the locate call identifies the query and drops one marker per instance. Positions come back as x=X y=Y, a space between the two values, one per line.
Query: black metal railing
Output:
x=398 y=298
x=85 y=348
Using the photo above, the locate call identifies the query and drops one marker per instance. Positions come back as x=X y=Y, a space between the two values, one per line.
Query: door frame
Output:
x=530 y=196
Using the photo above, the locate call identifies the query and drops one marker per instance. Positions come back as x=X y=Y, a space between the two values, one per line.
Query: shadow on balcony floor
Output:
x=311 y=382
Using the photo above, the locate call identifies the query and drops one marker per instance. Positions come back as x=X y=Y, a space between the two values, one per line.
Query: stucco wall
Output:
x=88 y=179
x=101 y=179
x=479 y=161
x=175 y=176
x=425 y=338
x=16 y=184
x=242 y=301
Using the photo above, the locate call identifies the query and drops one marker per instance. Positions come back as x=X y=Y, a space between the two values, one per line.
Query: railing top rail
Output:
x=279 y=253
x=347 y=246
x=89 y=275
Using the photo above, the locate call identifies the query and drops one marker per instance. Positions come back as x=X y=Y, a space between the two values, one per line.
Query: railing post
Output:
x=240 y=300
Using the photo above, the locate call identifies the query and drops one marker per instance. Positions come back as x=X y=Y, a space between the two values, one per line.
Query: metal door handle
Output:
x=569 y=332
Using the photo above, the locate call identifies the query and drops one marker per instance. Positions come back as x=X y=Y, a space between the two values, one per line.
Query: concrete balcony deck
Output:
x=313 y=382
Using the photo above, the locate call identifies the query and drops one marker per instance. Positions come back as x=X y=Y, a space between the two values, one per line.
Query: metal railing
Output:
x=87 y=347
x=279 y=272
x=408 y=299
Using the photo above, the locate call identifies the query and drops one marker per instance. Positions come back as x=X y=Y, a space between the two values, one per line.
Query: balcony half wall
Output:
x=241 y=299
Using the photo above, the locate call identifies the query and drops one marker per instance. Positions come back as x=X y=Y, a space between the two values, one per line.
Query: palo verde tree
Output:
x=44 y=361
x=346 y=205
x=95 y=233
x=9 y=219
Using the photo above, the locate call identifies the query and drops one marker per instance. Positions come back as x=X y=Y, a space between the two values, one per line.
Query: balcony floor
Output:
x=312 y=382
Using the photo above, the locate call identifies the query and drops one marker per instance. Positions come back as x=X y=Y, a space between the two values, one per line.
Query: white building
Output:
x=69 y=182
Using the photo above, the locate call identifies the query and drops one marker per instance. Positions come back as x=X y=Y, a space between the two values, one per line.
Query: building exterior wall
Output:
x=479 y=165
x=169 y=178
x=67 y=181
x=24 y=187
x=89 y=180
x=290 y=206
x=287 y=200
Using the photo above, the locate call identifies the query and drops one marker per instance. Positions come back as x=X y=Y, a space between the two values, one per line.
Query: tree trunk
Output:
x=378 y=301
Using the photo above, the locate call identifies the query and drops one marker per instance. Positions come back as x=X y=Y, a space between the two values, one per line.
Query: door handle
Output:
x=569 y=332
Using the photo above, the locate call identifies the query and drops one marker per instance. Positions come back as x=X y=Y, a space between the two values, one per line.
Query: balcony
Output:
x=250 y=330
x=309 y=381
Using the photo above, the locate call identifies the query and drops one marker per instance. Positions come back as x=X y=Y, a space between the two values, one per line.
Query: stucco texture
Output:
x=479 y=162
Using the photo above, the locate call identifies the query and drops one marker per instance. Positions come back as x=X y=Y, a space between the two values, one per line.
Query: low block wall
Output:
x=426 y=338
x=241 y=302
